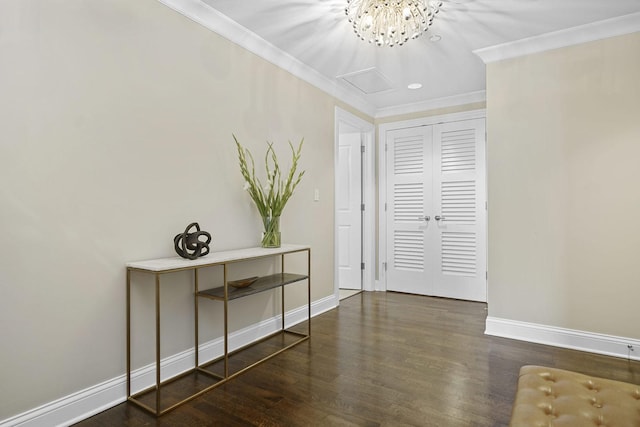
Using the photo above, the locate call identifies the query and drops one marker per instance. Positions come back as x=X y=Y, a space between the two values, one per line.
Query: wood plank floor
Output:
x=381 y=359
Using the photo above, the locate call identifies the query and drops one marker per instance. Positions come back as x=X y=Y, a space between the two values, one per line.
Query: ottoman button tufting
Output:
x=575 y=400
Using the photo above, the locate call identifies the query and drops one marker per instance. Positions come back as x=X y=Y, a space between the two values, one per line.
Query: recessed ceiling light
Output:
x=415 y=86
x=435 y=38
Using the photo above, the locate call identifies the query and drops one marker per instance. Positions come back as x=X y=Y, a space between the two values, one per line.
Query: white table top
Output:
x=175 y=263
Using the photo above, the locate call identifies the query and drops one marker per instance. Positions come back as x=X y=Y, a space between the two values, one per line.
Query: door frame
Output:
x=367 y=132
x=381 y=283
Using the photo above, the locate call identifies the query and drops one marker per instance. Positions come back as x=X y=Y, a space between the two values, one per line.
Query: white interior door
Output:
x=349 y=200
x=409 y=198
x=436 y=212
x=460 y=205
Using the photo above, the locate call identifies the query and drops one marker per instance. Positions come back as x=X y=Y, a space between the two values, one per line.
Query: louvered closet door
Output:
x=409 y=193
x=460 y=187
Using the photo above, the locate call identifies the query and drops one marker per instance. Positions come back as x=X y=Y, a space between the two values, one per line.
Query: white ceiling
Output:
x=317 y=33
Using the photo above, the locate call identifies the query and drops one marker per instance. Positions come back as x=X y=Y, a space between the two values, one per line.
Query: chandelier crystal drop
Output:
x=391 y=22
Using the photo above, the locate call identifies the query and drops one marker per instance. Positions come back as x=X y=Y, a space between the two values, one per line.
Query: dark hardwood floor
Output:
x=381 y=359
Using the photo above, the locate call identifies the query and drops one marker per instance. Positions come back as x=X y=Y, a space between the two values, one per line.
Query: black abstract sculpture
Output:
x=190 y=245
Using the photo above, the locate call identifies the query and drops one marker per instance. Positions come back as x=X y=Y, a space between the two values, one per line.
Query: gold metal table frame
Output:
x=224 y=294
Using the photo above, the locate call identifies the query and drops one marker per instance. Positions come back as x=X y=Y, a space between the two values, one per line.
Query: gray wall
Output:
x=563 y=174
x=115 y=133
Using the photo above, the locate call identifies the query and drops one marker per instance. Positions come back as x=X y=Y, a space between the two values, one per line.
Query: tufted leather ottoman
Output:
x=553 y=397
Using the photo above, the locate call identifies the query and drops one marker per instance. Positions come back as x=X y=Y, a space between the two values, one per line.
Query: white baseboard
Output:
x=566 y=338
x=92 y=400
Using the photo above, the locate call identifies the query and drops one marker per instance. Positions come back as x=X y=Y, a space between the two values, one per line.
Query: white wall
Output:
x=115 y=133
x=563 y=150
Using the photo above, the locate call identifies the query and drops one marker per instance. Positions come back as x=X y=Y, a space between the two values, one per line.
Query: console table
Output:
x=224 y=294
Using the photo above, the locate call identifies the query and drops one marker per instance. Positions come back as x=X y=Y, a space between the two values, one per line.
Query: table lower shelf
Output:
x=209 y=375
x=262 y=284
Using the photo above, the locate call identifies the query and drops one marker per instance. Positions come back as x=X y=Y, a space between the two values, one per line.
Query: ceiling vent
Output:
x=367 y=81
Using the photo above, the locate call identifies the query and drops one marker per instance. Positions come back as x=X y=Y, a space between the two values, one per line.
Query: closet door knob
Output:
x=424 y=218
x=438 y=218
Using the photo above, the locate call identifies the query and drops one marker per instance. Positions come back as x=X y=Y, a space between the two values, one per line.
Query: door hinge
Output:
x=386 y=147
x=362 y=207
x=362 y=266
x=385 y=206
x=486 y=275
x=486 y=205
x=362 y=148
x=384 y=265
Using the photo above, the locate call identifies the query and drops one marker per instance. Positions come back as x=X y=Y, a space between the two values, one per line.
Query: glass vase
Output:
x=271 y=233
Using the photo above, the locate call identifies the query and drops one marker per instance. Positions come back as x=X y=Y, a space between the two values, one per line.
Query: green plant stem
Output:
x=271 y=199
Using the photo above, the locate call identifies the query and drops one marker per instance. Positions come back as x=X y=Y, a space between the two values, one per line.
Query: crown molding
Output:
x=210 y=18
x=205 y=15
x=619 y=26
x=433 y=104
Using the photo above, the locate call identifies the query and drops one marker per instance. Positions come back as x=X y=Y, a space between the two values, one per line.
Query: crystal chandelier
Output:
x=391 y=22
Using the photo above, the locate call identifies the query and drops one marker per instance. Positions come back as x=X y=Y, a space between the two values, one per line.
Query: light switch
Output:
x=316 y=195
